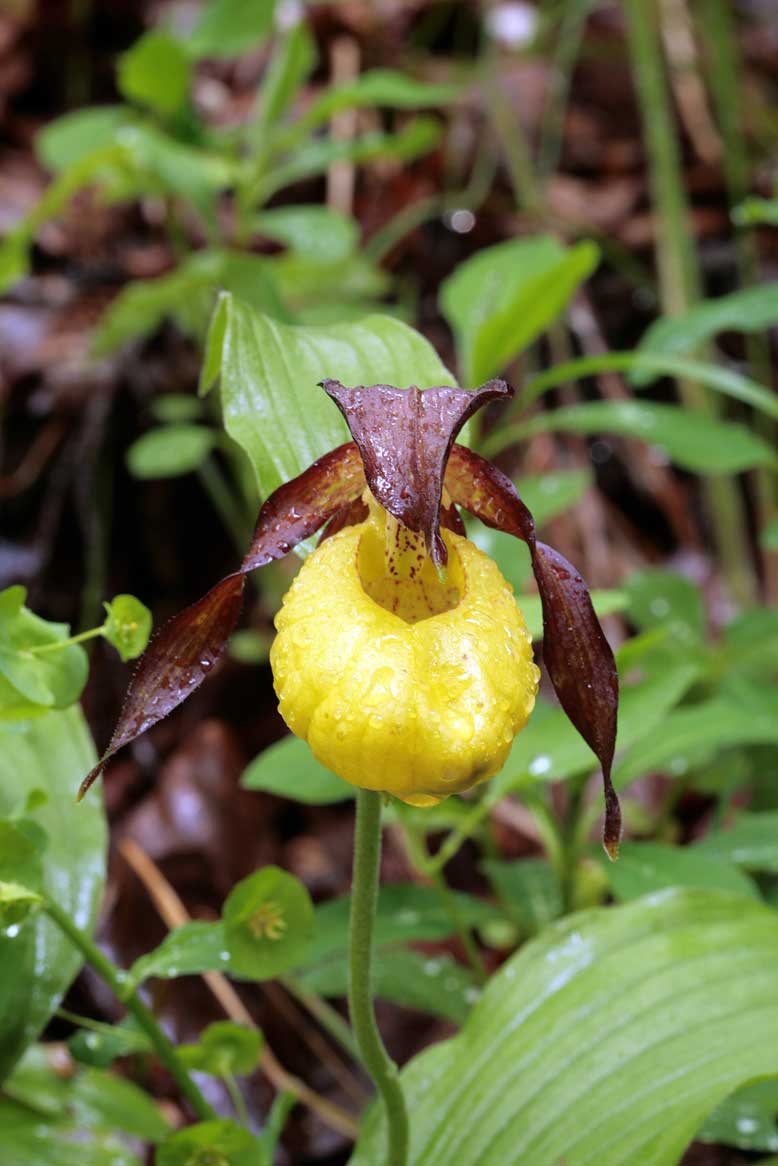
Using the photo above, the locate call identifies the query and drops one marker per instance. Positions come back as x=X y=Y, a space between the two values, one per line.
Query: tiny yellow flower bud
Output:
x=400 y=681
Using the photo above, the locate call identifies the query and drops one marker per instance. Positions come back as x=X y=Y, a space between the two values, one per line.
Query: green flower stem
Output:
x=364 y=897
x=116 y=981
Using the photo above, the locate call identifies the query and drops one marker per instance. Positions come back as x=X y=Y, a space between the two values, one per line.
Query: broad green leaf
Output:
x=550 y=748
x=186 y=951
x=721 y=380
x=268 y=923
x=127 y=626
x=606 y=1040
x=658 y=598
x=230 y=27
x=504 y=297
x=37 y=965
x=646 y=867
x=158 y=163
x=224 y=1049
x=270 y=371
x=548 y=495
x=290 y=770
x=751 y=842
x=748 y=1119
x=31 y=1140
x=92 y=1100
x=317 y=232
x=76 y=135
x=187 y=296
x=433 y=984
x=303 y=281
x=698 y=443
x=751 y=643
x=405 y=913
x=170 y=450
x=687 y=736
x=211 y=1143
x=156 y=72
x=748 y=310
x=529 y=890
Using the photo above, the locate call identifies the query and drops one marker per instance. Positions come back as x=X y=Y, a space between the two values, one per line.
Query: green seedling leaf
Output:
x=748 y=310
x=17 y=903
x=292 y=62
x=224 y=1049
x=38 y=963
x=52 y=679
x=269 y=374
x=210 y=1143
x=609 y=1038
x=753 y=211
x=128 y=626
x=376 y=88
x=175 y=408
x=647 y=867
x=230 y=27
x=170 y=450
x=503 y=298
x=74 y=136
x=290 y=770
x=187 y=295
x=156 y=72
x=250 y=646
x=99 y=1047
x=433 y=984
x=268 y=924
x=702 y=444
x=319 y=233
x=188 y=950
x=528 y=889
x=748 y=1119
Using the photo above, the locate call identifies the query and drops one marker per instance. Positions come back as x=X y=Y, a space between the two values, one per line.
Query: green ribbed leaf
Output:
x=270 y=371
x=607 y=1040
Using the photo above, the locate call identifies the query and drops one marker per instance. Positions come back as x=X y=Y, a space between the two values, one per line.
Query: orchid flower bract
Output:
x=401 y=655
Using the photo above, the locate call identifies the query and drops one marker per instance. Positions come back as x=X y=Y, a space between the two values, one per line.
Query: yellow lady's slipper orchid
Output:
x=401 y=656
x=400 y=682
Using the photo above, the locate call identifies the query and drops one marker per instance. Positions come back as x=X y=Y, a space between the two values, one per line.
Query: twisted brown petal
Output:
x=404 y=437
x=182 y=654
x=577 y=655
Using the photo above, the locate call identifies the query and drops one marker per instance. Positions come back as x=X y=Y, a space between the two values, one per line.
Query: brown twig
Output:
x=175 y=914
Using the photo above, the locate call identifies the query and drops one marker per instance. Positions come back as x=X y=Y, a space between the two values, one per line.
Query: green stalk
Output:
x=726 y=86
x=364 y=898
x=117 y=982
x=328 y=1017
x=679 y=276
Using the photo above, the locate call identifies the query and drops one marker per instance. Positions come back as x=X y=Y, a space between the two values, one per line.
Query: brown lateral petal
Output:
x=404 y=437
x=582 y=669
x=577 y=655
x=298 y=508
x=176 y=662
x=183 y=652
x=348 y=515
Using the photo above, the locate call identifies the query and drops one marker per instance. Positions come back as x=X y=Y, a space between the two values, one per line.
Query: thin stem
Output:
x=328 y=1017
x=364 y=897
x=679 y=275
x=236 y=1097
x=117 y=982
x=58 y=645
